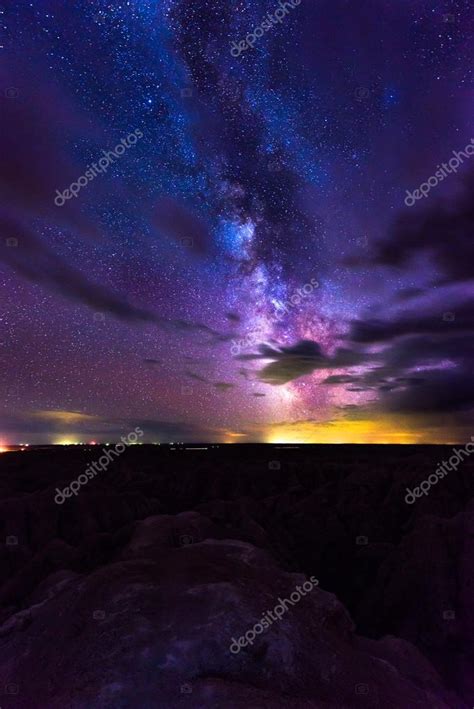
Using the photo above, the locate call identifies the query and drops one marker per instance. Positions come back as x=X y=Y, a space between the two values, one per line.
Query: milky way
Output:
x=248 y=269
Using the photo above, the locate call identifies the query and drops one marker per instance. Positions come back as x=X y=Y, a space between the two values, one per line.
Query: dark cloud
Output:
x=418 y=350
x=409 y=293
x=301 y=359
x=36 y=262
x=461 y=319
x=446 y=378
x=223 y=386
x=37 y=133
x=422 y=374
x=441 y=231
x=196 y=377
x=428 y=353
x=339 y=379
x=233 y=317
x=410 y=380
x=442 y=390
x=436 y=341
x=289 y=362
x=372 y=379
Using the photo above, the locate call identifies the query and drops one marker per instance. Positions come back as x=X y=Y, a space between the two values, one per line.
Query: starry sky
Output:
x=248 y=268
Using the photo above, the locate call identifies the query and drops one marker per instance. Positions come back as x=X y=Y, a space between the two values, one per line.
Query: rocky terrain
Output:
x=129 y=594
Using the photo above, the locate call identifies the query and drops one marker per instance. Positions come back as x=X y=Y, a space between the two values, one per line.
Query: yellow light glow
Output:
x=383 y=430
x=66 y=417
x=231 y=436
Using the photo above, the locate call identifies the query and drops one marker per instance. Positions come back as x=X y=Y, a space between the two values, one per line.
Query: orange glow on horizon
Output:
x=384 y=430
x=66 y=417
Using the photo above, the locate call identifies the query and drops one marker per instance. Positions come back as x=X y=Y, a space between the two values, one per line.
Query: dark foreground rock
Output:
x=129 y=594
x=153 y=628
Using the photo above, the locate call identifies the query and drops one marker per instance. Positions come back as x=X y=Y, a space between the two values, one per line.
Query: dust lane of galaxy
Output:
x=249 y=264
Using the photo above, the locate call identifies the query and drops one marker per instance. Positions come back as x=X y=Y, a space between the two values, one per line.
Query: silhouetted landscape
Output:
x=130 y=592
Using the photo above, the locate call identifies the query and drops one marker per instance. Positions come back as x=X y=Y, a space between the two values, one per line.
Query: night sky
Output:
x=248 y=269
